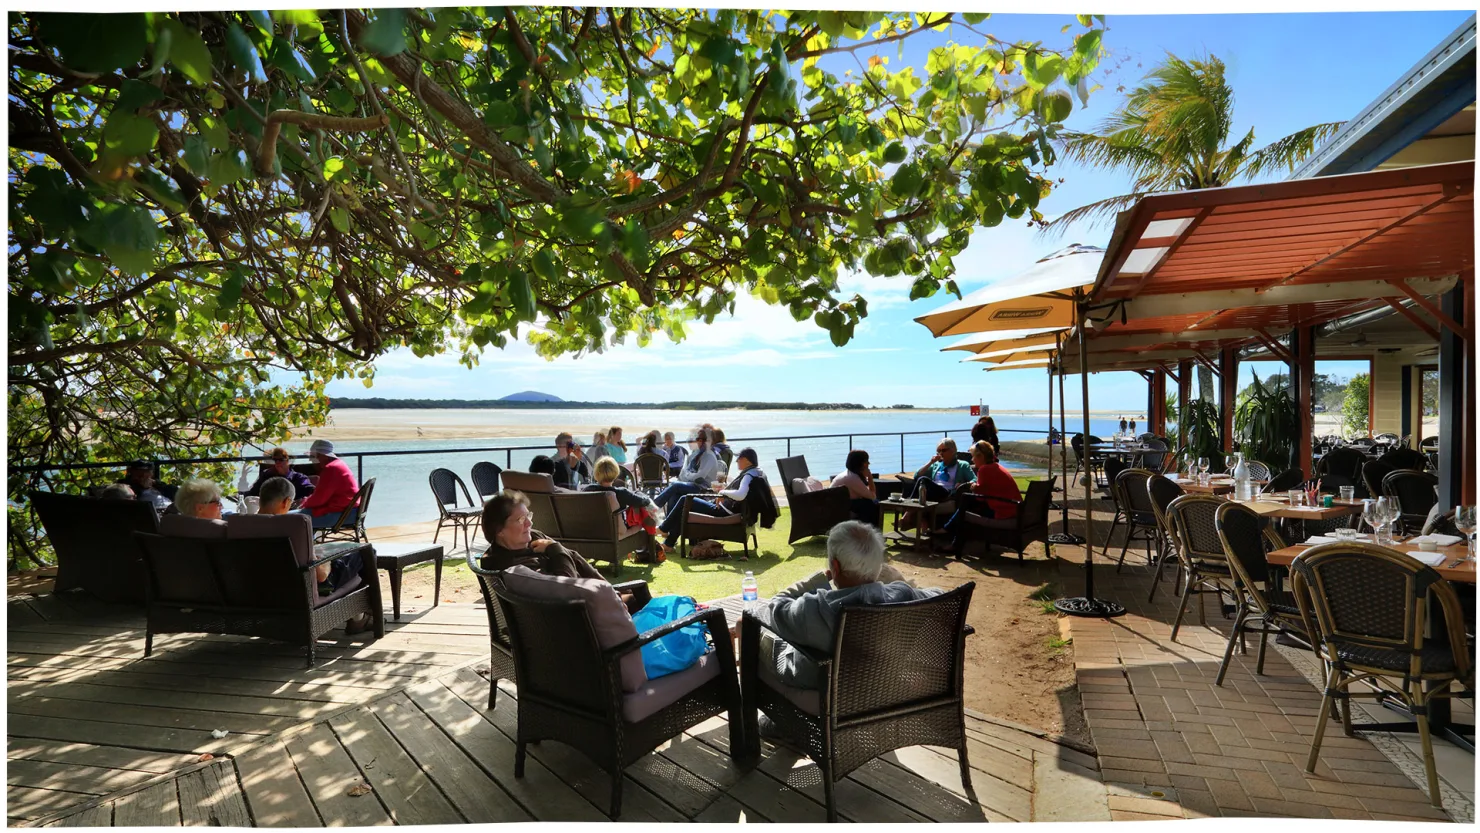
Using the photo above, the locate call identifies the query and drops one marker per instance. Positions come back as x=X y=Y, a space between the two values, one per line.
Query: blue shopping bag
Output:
x=677 y=650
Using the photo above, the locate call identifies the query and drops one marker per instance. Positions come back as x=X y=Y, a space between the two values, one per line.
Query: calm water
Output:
x=402 y=494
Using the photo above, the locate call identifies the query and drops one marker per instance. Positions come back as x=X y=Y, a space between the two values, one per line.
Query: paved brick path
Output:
x=1174 y=745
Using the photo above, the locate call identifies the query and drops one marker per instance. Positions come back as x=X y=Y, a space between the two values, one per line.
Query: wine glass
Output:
x=1387 y=513
x=1464 y=520
x=1191 y=470
x=1369 y=515
x=1204 y=474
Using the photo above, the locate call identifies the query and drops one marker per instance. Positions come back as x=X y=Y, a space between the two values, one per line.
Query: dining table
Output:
x=1216 y=485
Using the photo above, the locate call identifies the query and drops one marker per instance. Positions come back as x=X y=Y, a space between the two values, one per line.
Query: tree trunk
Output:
x=1205 y=388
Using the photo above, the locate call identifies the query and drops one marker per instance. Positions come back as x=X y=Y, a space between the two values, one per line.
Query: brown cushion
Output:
x=185 y=526
x=655 y=695
x=298 y=529
x=523 y=481
x=609 y=617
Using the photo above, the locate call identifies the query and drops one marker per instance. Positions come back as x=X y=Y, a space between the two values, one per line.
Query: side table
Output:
x=397 y=556
x=920 y=535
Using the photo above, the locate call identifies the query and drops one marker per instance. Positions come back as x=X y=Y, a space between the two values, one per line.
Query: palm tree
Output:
x=1171 y=135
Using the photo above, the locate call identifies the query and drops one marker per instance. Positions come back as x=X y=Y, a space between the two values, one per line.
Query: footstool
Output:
x=395 y=557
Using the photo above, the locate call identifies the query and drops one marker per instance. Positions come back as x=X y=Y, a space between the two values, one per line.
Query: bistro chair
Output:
x=1346 y=461
x=1372 y=475
x=350 y=525
x=460 y=516
x=1404 y=457
x=1113 y=467
x=1193 y=521
x=1369 y=607
x=1140 y=518
x=1283 y=482
x=1162 y=492
x=652 y=472
x=1096 y=459
x=485 y=481
x=1153 y=460
x=891 y=679
x=1258 y=470
x=812 y=513
x=571 y=686
x=1416 y=493
x=1246 y=539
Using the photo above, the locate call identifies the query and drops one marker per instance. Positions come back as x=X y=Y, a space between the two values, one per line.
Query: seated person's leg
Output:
x=865 y=509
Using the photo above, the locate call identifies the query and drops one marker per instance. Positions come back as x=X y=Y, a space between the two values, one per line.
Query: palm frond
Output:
x=1121 y=151
x=1095 y=213
x=1290 y=151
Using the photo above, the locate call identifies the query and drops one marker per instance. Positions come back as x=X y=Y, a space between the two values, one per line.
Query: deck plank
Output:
x=99 y=816
x=328 y=773
x=70 y=729
x=274 y=793
x=156 y=806
x=211 y=797
x=189 y=720
x=406 y=791
x=48 y=775
x=544 y=795
x=86 y=754
x=32 y=803
x=473 y=793
x=170 y=698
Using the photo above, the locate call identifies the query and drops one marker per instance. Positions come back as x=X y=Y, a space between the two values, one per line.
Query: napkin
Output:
x=1433 y=559
x=1437 y=538
x=1307 y=508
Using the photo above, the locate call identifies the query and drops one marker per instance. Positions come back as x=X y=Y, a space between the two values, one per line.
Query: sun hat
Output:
x=323 y=447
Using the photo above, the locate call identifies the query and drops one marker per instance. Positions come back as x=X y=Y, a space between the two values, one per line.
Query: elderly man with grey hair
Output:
x=806 y=614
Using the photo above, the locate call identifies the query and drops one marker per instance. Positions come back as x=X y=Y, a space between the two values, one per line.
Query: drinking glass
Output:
x=1205 y=474
x=1297 y=497
x=1192 y=470
x=1387 y=513
x=1348 y=493
x=1369 y=514
x=1464 y=520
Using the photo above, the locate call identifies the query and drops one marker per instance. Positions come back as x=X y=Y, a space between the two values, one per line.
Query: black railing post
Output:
x=360 y=467
x=788 y=446
x=508 y=458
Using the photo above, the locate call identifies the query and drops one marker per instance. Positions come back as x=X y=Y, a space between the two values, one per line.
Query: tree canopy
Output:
x=201 y=199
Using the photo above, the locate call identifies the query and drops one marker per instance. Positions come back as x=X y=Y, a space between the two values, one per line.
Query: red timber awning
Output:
x=1196 y=271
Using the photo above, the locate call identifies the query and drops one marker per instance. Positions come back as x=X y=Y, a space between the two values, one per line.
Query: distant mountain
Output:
x=531 y=396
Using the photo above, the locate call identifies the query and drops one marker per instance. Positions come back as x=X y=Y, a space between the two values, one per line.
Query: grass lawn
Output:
x=776 y=566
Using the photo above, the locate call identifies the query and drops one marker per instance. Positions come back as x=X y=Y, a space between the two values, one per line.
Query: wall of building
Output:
x=1387 y=394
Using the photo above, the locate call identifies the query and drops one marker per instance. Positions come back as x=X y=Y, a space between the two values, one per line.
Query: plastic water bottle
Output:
x=749 y=591
x=1243 y=487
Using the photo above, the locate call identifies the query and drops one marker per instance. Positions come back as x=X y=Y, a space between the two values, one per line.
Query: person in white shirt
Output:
x=727 y=502
x=698 y=473
x=675 y=453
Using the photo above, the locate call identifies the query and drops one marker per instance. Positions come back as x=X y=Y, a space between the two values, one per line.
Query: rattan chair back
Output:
x=1258 y=470
x=445 y=486
x=1113 y=467
x=652 y=470
x=1162 y=492
x=352 y=517
x=486 y=480
x=1246 y=538
x=792 y=468
x=1033 y=513
x=1372 y=474
x=557 y=656
x=1194 y=522
x=1416 y=493
x=1132 y=496
x=1404 y=457
x=1346 y=461
x=1284 y=481
x=1154 y=460
x=1370 y=606
x=94 y=544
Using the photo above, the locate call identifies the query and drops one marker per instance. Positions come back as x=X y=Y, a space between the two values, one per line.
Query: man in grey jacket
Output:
x=806 y=613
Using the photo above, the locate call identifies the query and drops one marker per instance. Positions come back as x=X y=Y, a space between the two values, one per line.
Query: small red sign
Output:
x=976 y=410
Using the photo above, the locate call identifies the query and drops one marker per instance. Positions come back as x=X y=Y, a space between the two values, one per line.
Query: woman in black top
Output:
x=985 y=429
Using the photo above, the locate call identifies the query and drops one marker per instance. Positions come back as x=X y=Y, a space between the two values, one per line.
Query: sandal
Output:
x=361 y=623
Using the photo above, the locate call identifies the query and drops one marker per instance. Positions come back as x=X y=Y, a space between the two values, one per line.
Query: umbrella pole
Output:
x=1051 y=481
x=1087 y=605
x=1063 y=536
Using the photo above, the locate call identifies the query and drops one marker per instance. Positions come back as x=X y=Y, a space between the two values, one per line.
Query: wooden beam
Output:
x=1428 y=307
x=1449 y=194
x=1413 y=316
x=1205 y=362
x=1176 y=244
x=1303 y=369
x=1228 y=388
x=1274 y=346
x=1168 y=371
x=1184 y=397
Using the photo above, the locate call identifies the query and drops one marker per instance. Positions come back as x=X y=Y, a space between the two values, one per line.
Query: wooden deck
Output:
x=100 y=736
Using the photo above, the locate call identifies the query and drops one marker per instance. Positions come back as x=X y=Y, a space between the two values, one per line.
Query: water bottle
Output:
x=749 y=591
x=1242 y=485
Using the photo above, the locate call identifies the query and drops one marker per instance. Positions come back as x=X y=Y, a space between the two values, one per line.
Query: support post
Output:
x=1159 y=402
x=1228 y=393
x=1406 y=379
x=1456 y=403
x=1302 y=372
x=1184 y=396
x=1063 y=536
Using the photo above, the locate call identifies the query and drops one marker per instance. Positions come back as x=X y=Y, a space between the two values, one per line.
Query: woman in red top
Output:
x=995 y=494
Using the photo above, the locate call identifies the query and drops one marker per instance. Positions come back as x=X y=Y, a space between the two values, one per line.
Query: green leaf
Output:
x=544 y=265
x=906 y=181
x=974 y=18
x=128 y=135
x=197 y=155
x=332 y=166
x=285 y=56
x=188 y=53
x=522 y=295
x=895 y=153
x=96 y=42
x=263 y=22
x=231 y=290
x=133 y=94
x=339 y=217
x=386 y=34
x=244 y=54
x=127 y=234
x=1057 y=105
x=1087 y=45
x=161 y=52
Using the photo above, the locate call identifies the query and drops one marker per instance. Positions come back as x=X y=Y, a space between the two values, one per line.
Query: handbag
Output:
x=677 y=650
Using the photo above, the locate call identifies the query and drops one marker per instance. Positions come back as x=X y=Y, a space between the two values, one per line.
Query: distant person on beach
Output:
x=698 y=473
x=335 y=490
x=675 y=453
x=985 y=429
x=863 y=495
x=571 y=469
x=614 y=445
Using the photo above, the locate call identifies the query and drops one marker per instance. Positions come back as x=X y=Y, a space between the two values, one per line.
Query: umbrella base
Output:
x=1065 y=538
x=1080 y=606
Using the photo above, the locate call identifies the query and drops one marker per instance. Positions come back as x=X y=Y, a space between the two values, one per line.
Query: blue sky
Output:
x=1288 y=71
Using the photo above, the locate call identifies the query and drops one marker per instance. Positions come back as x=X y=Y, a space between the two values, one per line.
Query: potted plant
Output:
x=1265 y=423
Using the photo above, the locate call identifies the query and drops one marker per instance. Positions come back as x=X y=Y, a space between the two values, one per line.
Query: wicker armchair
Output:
x=460 y=516
x=593 y=524
x=1163 y=491
x=570 y=689
x=1416 y=493
x=652 y=472
x=540 y=489
x=1246 y=538
x=350 y=525
x=501 y=650
x=249 y=587
x=485 y=481
x=812 y=513
x=892 y=679
x=1369 y=606
x=1016 y=533
x=1193 y=521
x=1140 y=517
x=94 y=544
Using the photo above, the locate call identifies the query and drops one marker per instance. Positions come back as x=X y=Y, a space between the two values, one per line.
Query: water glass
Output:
x=1369 y=514
x=1464 y=520
x=1297 y=497
x=1348 y=493
x=1387 y=513
x=250 y=504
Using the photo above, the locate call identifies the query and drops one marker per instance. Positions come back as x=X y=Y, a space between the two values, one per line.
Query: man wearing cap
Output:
x=729 y=501
x=281 y=467
x=140 y=477
x=335 y=490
